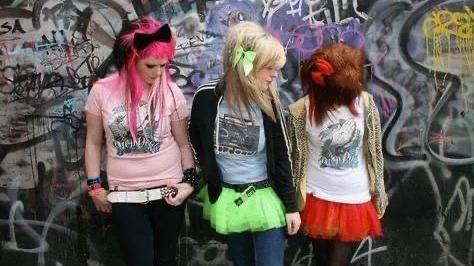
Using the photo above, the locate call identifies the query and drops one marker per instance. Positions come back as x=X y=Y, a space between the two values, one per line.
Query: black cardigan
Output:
x=201 y=127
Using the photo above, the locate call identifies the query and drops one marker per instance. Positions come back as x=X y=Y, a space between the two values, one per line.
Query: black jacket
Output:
x=201 y=127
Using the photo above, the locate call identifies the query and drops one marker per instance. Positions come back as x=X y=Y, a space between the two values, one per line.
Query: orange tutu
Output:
x=345 y=222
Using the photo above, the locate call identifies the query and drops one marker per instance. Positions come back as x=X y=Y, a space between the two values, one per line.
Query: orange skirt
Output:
x=345 y=222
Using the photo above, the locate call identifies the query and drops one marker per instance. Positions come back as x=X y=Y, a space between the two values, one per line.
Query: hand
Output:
x=293 y=222
x=100 y=201
x=183 y=191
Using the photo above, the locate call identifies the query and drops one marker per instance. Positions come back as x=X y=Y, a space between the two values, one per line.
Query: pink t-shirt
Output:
x=154 y=159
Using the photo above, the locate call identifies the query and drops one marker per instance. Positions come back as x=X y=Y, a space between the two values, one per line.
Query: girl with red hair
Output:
x=337 y=155
x=150 y=166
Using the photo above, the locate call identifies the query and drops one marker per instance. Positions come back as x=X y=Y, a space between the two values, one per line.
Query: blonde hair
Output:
x=269 y=54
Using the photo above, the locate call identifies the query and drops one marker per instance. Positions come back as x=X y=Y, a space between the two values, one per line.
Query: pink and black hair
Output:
x=128 y=50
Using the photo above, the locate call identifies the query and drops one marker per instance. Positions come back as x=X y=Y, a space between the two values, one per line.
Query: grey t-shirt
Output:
x=240 y=145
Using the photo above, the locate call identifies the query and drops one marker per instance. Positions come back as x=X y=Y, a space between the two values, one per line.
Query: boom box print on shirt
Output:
x=238 y=136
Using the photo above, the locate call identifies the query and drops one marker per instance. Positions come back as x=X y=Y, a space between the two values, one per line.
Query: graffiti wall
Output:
x=420 y=66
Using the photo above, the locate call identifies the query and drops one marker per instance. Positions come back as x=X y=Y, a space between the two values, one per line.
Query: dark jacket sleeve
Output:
x=283 y=178
x=193 y=128
x=200 y=140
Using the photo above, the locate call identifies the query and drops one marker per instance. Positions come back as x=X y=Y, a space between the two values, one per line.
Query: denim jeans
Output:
x=264 y=248
x=148 y=233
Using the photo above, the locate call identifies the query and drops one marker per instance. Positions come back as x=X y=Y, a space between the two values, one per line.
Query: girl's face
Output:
x=150 y=68
x=266 y=76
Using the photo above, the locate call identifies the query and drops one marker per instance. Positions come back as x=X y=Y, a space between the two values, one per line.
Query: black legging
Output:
x=148 y=233
x=333 y=252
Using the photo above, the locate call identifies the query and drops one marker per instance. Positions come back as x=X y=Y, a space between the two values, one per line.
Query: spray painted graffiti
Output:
x=427 y=145
x=51 y=52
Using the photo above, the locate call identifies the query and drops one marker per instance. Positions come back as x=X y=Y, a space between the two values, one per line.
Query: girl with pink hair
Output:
x=150 y=166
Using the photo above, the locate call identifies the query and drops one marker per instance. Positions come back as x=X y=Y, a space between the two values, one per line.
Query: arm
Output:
x=180 y=135
x=92 y=159
x=93 y=145
x=284 y=178
x=380 y=194
x=294 y=144
x=193 y=128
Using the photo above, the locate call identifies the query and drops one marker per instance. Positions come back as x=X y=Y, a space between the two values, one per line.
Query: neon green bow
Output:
x=247 y=59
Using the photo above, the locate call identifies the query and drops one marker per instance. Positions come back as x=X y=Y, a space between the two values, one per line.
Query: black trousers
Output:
x=148 y=233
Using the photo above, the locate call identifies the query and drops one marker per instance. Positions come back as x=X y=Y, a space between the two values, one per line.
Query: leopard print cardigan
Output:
x=372 y=150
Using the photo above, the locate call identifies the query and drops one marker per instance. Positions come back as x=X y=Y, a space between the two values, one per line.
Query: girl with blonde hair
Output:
x=238 y=133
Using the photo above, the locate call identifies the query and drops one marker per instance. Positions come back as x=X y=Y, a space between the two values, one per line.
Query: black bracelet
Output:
x=191 y=177
x=94 y=182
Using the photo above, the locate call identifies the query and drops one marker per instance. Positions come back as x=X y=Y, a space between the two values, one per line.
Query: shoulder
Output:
x=176 y=91
x=297 y=108
x=206 y=91
x=367 y=98
x=106 y=87
x=110 y=81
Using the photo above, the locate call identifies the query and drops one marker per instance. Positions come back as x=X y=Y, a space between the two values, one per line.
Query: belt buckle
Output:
x=248 y=192
x=168 y=191
x=147 y=193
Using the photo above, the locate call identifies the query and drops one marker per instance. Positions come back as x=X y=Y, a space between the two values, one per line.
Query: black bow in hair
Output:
x=142 y=40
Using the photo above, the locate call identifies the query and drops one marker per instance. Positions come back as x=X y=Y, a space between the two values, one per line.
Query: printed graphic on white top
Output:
x=238 y=136
x=340 y=145
x=148 y=139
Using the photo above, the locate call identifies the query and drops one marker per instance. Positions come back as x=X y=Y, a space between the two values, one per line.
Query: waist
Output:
x=242 y=187
x=250 y=170
x=347 y=188
x=140 y=196
x=145 y=169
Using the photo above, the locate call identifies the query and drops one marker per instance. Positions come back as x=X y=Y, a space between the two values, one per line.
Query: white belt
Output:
x=141 y=196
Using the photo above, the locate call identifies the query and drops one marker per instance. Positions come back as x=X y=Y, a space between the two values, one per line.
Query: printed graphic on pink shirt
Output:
x=148 y=138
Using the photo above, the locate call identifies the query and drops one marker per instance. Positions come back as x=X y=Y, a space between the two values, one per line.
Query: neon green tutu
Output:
x=260 y=212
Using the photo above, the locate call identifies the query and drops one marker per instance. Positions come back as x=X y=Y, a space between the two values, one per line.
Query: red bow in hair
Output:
x=324 y=68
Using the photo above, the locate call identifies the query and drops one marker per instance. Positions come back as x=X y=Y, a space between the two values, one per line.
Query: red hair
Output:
x=339 y=87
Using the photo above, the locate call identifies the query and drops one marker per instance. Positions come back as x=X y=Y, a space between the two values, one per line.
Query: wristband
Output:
x=191 y=177
x=94 y=186
x=94 y=183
